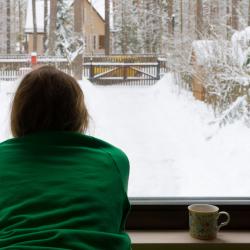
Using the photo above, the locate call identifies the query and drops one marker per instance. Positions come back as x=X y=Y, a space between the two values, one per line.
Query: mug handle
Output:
x=223 y=223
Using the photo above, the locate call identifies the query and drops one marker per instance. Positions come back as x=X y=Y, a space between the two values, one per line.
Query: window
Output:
x=101 y=42
x=187 y=135
x=94 y=42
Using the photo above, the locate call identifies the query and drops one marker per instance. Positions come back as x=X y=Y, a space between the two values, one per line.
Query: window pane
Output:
x=172 y=90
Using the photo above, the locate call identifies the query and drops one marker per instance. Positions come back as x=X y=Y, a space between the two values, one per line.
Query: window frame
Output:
x=172 y=214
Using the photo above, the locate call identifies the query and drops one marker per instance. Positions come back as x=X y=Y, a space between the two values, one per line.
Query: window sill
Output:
x=182 y=240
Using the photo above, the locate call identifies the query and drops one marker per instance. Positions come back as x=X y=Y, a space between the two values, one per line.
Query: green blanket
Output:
x=63 y=190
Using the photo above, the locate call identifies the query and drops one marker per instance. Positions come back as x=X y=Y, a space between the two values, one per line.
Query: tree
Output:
x=45 y=38
x=248 y=13
x=34 y=25
x=170 y=18
x=8 y=26
x=107 y=27
x=199 y=19
x=52 y=27
x=20 y=35
x=181 y=18
x=78 y=28
x=235 y=17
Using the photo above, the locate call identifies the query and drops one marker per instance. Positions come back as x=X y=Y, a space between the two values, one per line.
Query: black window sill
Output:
x=172 y=214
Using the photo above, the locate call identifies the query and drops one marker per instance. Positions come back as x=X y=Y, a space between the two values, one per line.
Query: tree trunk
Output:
x=78 y=28
x=199 y=19
x=52 y=27
x=235 y=17
x=214 y=15
x=8 y=26
x=248 y=22
x=170 y=18
x=181 y=21
x=20 y=36
x=124 y=29
x=34 y=26
x=190 y=18
x=107 y=27
x=229 y=19
x=45 y=36
x=161 y=27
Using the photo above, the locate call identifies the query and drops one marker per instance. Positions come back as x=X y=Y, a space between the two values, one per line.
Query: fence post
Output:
x=33 y=59
x=158 y=69
x=91 y=73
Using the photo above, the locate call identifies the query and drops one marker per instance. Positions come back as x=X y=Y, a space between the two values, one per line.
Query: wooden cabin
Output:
x=93 y=28
x=40 y=27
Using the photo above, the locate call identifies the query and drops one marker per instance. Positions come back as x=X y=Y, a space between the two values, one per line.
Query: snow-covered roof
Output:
x=208 y=52
x=99 y=7
x=39 y=17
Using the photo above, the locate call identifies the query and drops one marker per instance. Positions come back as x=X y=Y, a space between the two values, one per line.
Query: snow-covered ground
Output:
x=172 y=146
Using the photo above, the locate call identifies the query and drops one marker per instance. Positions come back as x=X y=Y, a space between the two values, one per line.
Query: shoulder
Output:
x=116 y=152
x=119 y=158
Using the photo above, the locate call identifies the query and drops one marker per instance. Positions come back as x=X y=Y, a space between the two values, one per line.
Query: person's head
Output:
x=47 y=99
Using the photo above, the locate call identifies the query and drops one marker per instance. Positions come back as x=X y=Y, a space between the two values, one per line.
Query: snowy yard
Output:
x=172 y=146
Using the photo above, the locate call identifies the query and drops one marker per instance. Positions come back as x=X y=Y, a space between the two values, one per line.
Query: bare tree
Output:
x=34 y=25
x=45 y=37
x=52 y=27
x=107 y=27
x=248 y=13
x=20 y=28
x=78 y=28
x=235 y=17
x=229 y=19
x=170 y=17
x=8 y=26
x=214 y=15
x=181 y=17
x=199 y=19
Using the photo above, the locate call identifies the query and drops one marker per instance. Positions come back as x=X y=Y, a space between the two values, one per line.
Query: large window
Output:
x=173 y=93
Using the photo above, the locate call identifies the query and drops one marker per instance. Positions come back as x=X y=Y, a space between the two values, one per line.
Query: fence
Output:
x=124 y=69
x=105 y=70
x=122 y=73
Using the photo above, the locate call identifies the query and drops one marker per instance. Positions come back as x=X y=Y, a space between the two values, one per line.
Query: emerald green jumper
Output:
x=63 y=190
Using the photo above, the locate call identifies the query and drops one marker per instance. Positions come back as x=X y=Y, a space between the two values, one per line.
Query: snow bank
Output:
x=172 y=146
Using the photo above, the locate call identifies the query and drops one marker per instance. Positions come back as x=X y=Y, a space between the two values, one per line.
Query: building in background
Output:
x=93 y=28
x=40 y=26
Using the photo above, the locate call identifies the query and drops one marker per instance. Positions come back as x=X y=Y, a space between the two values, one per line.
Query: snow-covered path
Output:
x=165 y=134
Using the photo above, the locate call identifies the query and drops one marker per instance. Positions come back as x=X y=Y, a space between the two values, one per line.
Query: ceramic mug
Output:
x=203 y=221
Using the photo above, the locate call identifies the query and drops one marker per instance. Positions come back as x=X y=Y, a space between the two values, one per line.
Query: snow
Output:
x=173 y=148
x=209 y=52
x=240 y=43
x=39 y=17
x=99 y=6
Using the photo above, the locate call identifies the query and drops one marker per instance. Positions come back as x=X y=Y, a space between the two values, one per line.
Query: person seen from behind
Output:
x=59 y=188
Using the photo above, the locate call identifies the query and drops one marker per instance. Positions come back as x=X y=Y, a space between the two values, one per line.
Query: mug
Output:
x=203 y=221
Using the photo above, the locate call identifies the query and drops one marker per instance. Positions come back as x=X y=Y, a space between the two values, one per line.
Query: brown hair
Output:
x=48 y=99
